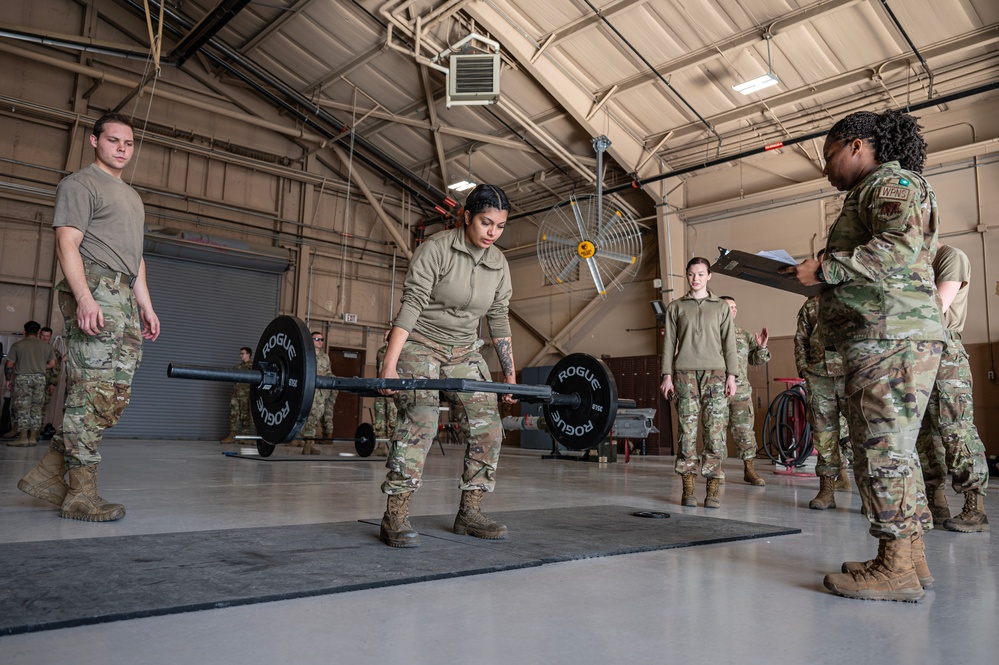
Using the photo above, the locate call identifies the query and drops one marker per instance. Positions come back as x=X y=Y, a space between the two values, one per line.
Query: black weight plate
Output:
x=364 y=440
x=280 y=411
x=265 y=449
x=586 y=425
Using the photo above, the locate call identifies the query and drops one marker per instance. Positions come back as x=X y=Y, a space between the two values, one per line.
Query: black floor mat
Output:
x=56 y=584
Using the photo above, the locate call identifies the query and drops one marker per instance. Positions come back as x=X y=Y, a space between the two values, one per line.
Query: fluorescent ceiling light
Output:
x=461 y=185
x=757 y=84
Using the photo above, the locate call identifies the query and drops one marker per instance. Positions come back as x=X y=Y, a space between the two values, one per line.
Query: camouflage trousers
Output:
x=888 y=386
x=825 y=409
x=419 y=415
x=99 y=368
x=741 y=421
x=315 y=419
x=386 y=415
x=240 y=416
x=950 y=415
x=27 y=404
x=328 y=410
x=701 y=392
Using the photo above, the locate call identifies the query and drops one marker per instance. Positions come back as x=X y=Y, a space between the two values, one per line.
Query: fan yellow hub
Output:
x=586 y=250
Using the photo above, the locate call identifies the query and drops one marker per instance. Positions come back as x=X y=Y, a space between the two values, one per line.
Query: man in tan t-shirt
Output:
x=25 y=374
x=950 y=412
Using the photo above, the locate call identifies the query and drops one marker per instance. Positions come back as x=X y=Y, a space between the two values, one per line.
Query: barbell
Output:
x=364 y=441
x=580 y=397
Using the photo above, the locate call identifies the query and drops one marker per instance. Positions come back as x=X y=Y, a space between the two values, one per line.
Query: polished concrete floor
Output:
x=758 y=601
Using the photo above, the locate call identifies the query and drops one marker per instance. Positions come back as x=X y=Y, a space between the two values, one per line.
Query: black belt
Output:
x=97 y=269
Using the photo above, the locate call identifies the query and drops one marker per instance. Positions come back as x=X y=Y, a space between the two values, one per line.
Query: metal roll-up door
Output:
x=206 y=313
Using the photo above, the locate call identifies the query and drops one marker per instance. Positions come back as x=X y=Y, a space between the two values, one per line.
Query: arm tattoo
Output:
x=504 y=350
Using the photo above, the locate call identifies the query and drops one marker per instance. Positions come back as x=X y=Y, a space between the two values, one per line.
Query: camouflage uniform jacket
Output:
x=879 y=257
x=750 y=353
x=810 y=352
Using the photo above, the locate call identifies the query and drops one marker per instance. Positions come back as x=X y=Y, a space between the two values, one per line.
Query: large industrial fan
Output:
x=582 y=236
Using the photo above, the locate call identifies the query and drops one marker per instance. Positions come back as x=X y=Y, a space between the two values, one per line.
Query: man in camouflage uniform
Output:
x=53 y=373
x=315 y=418
x=825 y=384
x=951 y=412
x=330 y=403
x=884 y=318
x=105 y=300
x=27 y=362
x=752 y=350
x=240 y=417
x=386 y=413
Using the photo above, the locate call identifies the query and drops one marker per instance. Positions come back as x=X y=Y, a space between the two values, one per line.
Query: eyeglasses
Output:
x=317 y=339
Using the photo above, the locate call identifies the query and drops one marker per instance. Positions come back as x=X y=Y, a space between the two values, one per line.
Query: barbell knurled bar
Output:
x=580 y=398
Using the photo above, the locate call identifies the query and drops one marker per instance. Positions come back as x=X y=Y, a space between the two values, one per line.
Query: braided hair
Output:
x=893 y=134
x=485 y=197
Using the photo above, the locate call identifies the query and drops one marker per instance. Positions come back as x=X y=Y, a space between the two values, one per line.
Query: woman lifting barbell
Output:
x=455 y=278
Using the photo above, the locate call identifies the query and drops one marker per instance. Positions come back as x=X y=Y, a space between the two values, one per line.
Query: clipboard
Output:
x=761 y=270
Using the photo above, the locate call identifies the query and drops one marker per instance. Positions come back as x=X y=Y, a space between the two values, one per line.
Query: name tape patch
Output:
x=891 y=192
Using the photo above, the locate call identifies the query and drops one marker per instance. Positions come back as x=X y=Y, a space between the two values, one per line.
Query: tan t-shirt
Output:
x=952 y=265
x=30 y=355
x=110 y=214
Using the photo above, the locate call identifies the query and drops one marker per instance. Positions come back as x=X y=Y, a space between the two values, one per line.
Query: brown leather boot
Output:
x=45 y=481
x=843 y=482
x=936 y=496
x=688 y=498
x=470 y=520
x=918 y=561
x=396 y=531
x=82 y=501
x=891 y=576
x=229 y=439
x=749 y=473
x=826 y=498
x=23 y=440
x=971 y=519
x=711 y=498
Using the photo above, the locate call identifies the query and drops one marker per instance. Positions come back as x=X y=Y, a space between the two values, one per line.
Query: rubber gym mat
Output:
x=57 y=584
x=306 y=458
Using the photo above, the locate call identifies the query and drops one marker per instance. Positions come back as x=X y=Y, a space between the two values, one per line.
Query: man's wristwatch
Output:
x=820 y=275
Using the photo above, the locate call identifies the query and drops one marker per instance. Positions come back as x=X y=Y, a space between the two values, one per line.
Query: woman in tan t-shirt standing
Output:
x=699 y=365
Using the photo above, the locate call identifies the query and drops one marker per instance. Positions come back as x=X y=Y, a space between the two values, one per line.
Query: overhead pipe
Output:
x=427 y=193
x=209 y=26
x=639 y=183
x=912 y=46
x=656 y=72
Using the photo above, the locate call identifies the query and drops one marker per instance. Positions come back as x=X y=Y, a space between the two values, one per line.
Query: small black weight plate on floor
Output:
x=587 y=424
x=364 y=439
x=280 y=410
x=651 y=514
x=265 y=449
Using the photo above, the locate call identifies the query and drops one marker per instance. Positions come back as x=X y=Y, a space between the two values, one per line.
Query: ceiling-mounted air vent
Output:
x=473 y=79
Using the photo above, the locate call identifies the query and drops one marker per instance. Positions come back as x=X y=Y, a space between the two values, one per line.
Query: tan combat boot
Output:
x=711 y=499
x=826 y=498
x=471 y=522
x=229 y=439
x=918 y=561
x=688 y=491
x=749 y=473
x=12 y=434
x=82 y=501
x=23 y=441
x=937 y=499
x=972 y=518
x=45 y=481
x=396 y=531
x=843 y=482
x=891 y=576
